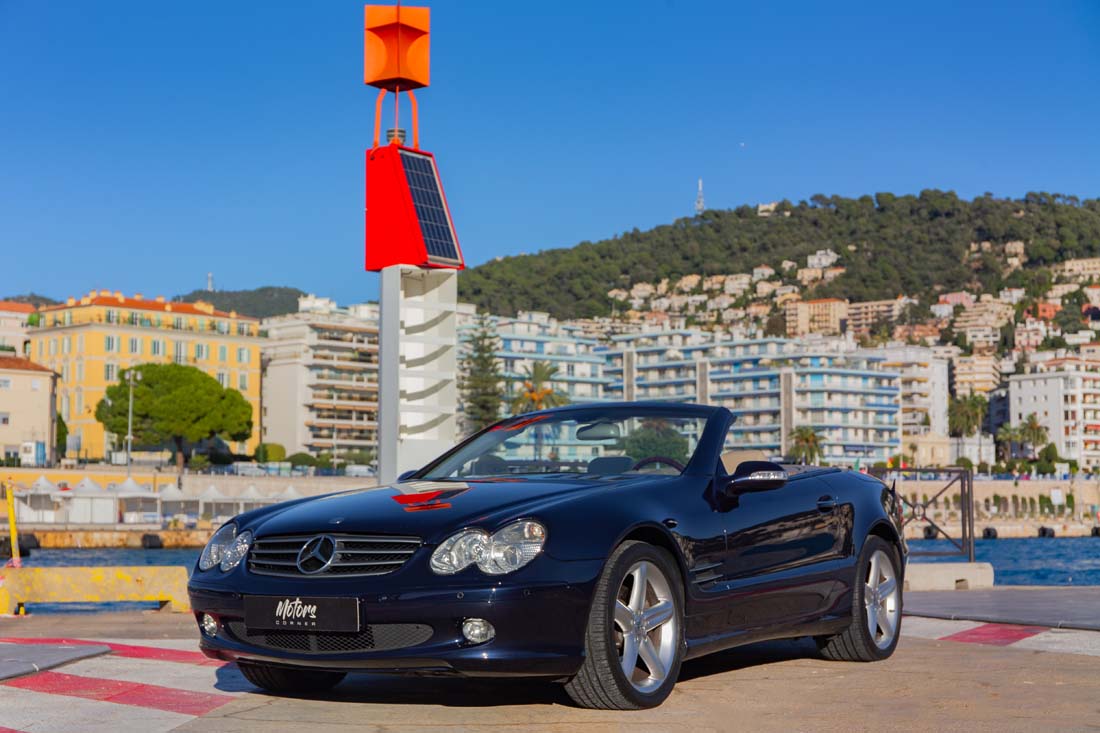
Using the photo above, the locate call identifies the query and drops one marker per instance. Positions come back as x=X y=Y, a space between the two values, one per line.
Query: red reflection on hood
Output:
x=428 y=500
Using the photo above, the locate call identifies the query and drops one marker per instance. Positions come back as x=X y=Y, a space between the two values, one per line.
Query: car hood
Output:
x=426 y=509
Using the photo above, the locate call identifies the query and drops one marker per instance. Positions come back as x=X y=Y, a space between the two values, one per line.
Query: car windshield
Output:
x=597 y=442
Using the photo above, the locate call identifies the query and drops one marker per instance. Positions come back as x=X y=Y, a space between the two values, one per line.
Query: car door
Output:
x=781 y=545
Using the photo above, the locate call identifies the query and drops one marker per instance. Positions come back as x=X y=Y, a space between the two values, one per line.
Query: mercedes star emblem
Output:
x=317 y=555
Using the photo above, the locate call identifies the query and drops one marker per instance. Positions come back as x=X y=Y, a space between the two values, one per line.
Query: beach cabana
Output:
x=216 y=506
x=289 y=494
x=90 y=504
x=174 y=504
x=40 y=504
x=251 y=498
x=137 y=504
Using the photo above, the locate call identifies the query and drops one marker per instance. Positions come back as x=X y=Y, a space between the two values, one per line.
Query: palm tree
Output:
x=537 y=390
x=805 y=445
x=536 y=393
x=965 y=416
x=1033 y=433
x=1008 y=436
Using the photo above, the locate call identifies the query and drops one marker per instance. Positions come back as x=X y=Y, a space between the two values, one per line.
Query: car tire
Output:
x=877 y=595
x=287 y=681
x=655 y=635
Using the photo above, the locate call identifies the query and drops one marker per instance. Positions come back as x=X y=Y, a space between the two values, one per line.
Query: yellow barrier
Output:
x=166 y=585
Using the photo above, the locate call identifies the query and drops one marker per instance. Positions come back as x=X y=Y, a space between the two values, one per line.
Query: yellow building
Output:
x=828 y=316
x=87 y=341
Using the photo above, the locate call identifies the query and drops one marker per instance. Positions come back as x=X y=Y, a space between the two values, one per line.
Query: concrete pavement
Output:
x=946 y=675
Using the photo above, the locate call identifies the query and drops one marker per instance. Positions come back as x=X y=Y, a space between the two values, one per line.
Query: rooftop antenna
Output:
x=699 y=205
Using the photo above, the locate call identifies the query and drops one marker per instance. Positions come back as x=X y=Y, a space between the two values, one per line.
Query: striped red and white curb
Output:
x=1035 y=638
x=150 y=686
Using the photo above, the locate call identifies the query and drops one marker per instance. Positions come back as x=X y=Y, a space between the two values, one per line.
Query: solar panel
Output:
x=427 y=195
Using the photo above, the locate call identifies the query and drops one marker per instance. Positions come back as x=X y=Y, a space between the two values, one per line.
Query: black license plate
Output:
x=297 y=613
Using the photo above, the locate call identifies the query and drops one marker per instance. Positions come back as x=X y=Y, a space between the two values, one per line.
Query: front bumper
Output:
x=540 y=625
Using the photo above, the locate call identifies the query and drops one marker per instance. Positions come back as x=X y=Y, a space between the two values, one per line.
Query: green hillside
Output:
x=32 y=298
x=258 y=303
x=916 y=245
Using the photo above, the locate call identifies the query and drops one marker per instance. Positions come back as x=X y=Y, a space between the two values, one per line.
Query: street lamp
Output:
x=132 y=375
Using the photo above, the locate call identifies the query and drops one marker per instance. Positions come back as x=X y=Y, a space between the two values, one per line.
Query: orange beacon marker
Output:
x=396 y=47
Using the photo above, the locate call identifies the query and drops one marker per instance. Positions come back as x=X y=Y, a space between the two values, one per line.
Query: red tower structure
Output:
x=407 y=220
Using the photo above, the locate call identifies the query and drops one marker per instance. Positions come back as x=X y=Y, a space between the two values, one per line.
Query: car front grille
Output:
x=374 y=637
x=355 y=555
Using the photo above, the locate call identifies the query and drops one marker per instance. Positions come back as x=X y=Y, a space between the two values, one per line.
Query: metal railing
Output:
x=918 y=511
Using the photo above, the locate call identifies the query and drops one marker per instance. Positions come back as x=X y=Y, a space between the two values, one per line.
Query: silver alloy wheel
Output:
x=881 y=596
x=646 y=631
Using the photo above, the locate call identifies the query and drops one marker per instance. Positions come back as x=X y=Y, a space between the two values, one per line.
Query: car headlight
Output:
x=225 y=549
x=504 y=551
x=236 y=551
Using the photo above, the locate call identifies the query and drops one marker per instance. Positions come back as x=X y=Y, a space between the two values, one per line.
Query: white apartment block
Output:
x=1064 y=394
x=925 y=387
x=822 y=258
x=320 y=382
x=534 y=336
x=771 y=386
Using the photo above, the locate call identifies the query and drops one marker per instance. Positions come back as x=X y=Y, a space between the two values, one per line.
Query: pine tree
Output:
x=482 y=382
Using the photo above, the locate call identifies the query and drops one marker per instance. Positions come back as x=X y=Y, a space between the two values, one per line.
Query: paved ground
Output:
x=946 y=675
x=1057 y=607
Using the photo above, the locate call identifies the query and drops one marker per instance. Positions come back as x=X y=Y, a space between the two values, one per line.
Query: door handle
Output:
x=826 y=504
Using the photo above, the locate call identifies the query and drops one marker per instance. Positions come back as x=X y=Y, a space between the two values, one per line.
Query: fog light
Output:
x=209 y=625
x=478 y=630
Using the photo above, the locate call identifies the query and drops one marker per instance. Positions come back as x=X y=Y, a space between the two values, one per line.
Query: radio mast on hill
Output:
x=699 y=205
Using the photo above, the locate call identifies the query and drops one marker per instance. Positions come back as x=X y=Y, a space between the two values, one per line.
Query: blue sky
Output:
x=143 y=144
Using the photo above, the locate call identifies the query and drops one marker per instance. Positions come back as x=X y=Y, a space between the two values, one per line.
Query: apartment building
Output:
x=13 y=326
x=1079 y=270
x=668 y=366
x=1064 y=394
x=822 y=259
x=533 y=336
x=28 y=412
x=320 y=380
x=89 y=340
x=977 y=374
x=863 y=316
x=772 y=386
x=982 y=321
x=825 y=316
x=925 y=387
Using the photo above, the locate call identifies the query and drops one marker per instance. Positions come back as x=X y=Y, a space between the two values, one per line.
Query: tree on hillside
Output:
x=482 y=382
x=537 y=390
x=876 y=238
x=173 y=404
x=805 y=445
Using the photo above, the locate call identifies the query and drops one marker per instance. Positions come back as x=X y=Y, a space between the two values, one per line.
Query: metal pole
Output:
x=130 y=421
x=14 y=533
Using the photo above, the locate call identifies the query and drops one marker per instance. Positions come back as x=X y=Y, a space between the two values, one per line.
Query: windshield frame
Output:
x=703 y=461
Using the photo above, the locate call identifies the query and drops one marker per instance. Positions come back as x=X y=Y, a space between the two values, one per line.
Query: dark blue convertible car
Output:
x=599 y=546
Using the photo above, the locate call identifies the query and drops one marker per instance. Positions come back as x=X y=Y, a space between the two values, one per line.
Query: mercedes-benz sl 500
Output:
x=597 y=546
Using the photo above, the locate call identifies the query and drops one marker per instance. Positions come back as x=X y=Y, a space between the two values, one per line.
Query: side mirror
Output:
x=756 y=476
x=406 y=475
